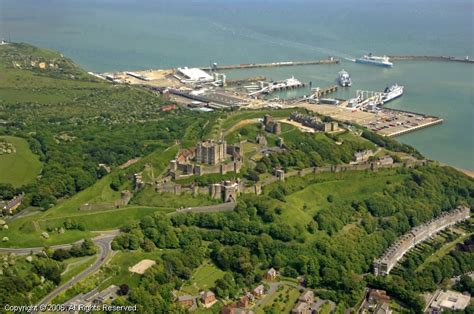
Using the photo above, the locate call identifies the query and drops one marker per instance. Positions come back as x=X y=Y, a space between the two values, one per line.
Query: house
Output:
x=246 y=300
x=9 y=206
x=301 y=308
x=228 y=309
x=208 y=298
x=378 y=296
x=186 y=300
x=307 y=296
x=270 y=274
x=258 y=291
x=382 y=308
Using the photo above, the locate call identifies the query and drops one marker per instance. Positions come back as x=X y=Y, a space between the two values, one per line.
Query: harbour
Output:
x=208 y=89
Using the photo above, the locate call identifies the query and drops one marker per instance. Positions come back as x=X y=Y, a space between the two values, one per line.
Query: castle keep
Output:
x=211 y=152
x=206 y=158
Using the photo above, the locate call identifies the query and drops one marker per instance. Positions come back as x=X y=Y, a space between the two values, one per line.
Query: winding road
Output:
x=103 y=243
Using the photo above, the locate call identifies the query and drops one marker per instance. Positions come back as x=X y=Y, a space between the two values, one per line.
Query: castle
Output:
x=206 y=158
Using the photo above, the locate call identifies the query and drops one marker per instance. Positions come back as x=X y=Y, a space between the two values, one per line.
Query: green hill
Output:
x=20 y=167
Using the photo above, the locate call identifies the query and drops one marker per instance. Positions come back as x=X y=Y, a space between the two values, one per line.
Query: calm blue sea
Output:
x=104 y=35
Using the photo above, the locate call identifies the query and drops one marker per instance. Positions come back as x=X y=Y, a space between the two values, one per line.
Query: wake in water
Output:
x=251 y=34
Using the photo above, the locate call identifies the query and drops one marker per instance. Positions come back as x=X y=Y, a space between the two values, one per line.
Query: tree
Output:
x=61 y=254
x=123 y=289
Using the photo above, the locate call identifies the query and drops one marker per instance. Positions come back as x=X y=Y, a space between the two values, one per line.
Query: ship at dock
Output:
x=344 y=79
x=392 y=92
x=375 y=60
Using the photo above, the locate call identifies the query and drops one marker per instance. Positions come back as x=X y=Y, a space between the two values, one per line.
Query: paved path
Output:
x=224 y=207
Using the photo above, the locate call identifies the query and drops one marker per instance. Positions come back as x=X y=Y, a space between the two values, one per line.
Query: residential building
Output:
x=186 y=300
x=301 y=308
x=9 y=206
x=307 y=296
x=258 y=291
x=208 y=298
x=384 y=264
x=270 y=274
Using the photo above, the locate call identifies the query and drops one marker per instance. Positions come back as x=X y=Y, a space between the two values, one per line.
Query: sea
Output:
x=109 y=35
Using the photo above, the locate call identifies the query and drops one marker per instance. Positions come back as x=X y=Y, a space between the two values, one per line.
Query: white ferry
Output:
x=374 y=60
x=392 y=92
x=344 y=79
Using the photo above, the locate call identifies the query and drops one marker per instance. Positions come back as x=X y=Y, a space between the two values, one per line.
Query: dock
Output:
x=431 y=58
x=273 y=64
x=318 y=92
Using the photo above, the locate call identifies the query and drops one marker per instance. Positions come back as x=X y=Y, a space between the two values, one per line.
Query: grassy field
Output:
x=120 y=263
x=241 y=115
x=26 y=232
x=283 y=300
x=203 y=279
x=148 y=197
x=301 y=206
x=75 y=266
x=21 y=167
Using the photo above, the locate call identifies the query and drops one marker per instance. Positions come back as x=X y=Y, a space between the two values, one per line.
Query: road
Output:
x=106 y=235
x=103 y=243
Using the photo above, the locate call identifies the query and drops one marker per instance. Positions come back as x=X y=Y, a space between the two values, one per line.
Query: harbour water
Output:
x=107 y=35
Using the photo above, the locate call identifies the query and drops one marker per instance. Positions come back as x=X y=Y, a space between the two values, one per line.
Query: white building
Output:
x=195 y=75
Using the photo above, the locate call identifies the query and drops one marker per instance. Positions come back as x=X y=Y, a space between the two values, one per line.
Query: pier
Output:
x=430 y=58
x=239 y=82
x=318 y=92
x=273 y=64
x=415 y=128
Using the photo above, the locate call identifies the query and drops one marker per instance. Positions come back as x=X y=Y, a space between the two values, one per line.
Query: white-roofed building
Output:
x=195 y=75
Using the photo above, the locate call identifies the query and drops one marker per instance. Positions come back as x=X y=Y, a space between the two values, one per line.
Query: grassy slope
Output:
x=26 y=232
x=203 y=278
x=148 y=197
x=21 y=167
x=301 y=206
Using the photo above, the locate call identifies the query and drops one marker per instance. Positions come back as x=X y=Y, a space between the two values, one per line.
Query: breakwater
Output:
x=273 y=64
x=431 y=58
